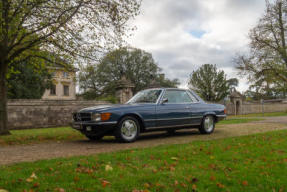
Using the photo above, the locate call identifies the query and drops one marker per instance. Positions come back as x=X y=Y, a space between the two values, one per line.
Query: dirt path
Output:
x=14 y=154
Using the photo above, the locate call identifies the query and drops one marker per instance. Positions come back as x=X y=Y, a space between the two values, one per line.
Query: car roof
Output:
x=164 y=88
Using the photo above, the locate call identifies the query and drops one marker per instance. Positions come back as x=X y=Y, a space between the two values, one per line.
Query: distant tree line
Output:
x=138 y=66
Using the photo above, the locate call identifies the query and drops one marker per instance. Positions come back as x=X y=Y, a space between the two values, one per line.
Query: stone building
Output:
x=64 y=84
x=124 y=90
x=237 y=100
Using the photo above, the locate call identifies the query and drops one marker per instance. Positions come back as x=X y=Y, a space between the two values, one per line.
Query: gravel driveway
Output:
x=14 y=154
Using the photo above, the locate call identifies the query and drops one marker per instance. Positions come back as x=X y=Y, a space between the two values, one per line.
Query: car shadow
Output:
x=151 y=136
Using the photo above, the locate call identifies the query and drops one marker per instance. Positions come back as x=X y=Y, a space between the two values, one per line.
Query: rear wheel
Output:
x=128 y=129
x=207 y=125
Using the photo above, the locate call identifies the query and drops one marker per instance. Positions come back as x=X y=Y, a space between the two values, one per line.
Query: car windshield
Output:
x=146 y=96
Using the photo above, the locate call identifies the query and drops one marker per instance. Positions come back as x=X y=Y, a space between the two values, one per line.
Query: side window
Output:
x=194 y=99
x=177 y=96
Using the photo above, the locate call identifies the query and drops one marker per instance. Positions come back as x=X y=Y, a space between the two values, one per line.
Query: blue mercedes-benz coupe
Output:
x=157 y=109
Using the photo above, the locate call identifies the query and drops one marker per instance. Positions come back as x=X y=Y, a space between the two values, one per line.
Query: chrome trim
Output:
x=220 y=115
x=190 y=94
x=175 y=89
x=195 y=117
x=170 y=126
x=160 y=96
x=107 y=123
x=95 y=123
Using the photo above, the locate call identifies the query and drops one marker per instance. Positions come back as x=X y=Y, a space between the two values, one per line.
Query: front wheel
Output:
x=128 y=129
x=207 y=125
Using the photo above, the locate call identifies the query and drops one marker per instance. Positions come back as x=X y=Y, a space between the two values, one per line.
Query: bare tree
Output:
x=268 y=54
x=69 y=28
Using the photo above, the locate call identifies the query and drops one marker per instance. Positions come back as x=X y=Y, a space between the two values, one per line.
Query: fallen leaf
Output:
x=3 y=190
x=220 y=185
x=105 y=183
x=183 y=185
x=212 y=178
x=146 y=185
x=174 y=158
x=36 y=185
x=108 y=168
x=172 y=169
x=59 y=190
x=194 y=187
x=175 y=182
x=76 y=179
x=33 y=176
x=245 y=183
x=29 y=180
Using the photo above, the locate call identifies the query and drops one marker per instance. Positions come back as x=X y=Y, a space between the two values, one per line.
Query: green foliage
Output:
x=248 y=163
x=210 y=83
x=73 y=30
x=136 y=65
x=266 y=63
x=28 y=80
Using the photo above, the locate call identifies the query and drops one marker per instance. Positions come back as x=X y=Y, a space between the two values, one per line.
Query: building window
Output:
x=53 y=74
x=66 y=90
x=53 y=90
x=65 y=74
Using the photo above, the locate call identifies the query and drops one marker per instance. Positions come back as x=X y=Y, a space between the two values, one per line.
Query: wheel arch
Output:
x=212 y=114
x=137 y=116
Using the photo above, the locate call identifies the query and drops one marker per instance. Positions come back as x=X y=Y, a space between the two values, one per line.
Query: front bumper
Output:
x=93 y=128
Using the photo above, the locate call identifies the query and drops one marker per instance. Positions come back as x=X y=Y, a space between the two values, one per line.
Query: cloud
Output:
x=182 y=35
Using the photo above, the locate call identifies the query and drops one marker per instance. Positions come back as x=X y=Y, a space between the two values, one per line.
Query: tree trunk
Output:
x=3 y=98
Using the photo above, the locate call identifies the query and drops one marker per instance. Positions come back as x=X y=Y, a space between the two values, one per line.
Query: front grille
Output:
x=82 y=117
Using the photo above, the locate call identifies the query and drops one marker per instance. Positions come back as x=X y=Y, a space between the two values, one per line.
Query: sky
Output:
x=182 y=35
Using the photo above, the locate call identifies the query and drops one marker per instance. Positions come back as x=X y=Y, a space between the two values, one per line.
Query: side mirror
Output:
x=165 y=100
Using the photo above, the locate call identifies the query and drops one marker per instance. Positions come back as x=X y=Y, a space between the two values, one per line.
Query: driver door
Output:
x=175 y=112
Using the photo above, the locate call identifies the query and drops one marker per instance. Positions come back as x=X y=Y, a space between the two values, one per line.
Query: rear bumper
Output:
x=220 y=117
x=93 y=128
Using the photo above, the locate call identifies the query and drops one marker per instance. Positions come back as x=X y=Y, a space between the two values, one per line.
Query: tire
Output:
x=207 y=125
x=127 y=130
x=95 y=137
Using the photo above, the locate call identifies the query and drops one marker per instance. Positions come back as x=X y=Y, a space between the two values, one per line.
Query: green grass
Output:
x=274 y=114
x=250 y=163
x=31 y=136
x=237 y=121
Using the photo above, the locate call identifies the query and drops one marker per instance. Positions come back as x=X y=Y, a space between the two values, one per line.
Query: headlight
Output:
x=96 y=117
x=101 y=116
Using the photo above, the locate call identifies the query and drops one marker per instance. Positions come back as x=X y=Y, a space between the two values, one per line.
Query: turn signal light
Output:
x=224 y=110
x=105 y=116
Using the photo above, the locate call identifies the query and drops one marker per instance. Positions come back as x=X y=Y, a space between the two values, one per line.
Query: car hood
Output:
x=100 y=108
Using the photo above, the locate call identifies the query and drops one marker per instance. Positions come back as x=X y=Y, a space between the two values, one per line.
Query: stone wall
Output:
x=23 y=114
x=257 y=108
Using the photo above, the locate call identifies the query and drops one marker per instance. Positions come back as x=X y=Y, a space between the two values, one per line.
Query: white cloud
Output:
x=184 y=34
